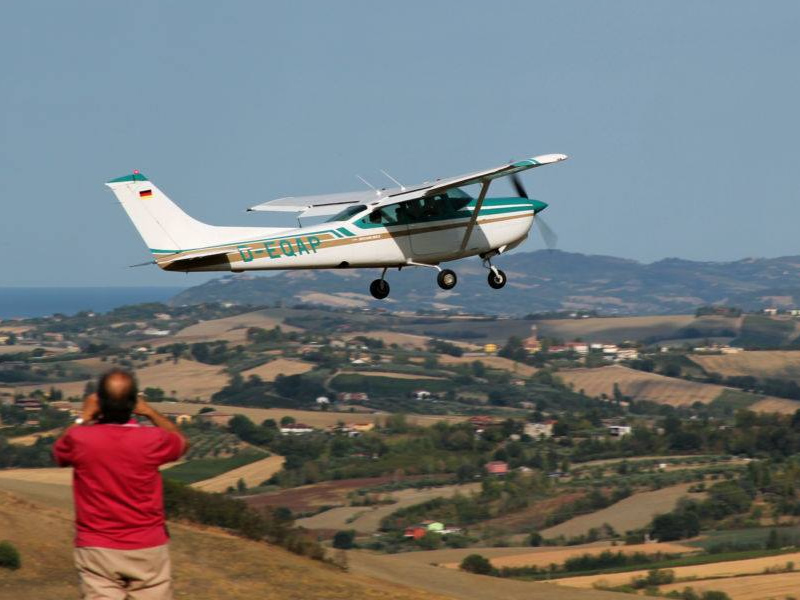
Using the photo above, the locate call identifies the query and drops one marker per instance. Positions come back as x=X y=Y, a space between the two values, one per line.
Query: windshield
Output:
x=347 y=213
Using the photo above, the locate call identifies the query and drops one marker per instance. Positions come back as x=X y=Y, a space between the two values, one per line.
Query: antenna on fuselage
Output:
x=377 y=191
x=402 y=187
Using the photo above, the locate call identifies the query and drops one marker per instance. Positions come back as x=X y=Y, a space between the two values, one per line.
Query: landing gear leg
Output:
x=497 y=279
x=446 y=278
x=380 y=287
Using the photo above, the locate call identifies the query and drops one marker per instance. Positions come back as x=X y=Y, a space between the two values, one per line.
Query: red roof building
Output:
x=497 y=467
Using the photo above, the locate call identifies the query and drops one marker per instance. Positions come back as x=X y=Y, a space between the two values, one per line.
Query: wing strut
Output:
x=473 y=220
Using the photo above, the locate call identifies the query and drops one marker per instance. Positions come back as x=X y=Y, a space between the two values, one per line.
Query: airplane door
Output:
x=431 y=228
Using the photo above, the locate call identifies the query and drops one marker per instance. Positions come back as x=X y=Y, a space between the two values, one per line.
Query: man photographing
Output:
x=121 y=540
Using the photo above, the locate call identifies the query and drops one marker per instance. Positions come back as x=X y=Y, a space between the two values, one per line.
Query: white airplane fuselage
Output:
x=502 y=224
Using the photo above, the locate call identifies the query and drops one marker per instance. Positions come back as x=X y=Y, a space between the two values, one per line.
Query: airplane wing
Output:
x=330 y=204
x=484 y=176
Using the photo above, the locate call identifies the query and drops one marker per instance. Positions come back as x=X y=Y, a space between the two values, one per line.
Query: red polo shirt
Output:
x=119 y=501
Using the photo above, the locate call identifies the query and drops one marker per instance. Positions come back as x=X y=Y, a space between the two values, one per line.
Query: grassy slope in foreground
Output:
x=208 y=564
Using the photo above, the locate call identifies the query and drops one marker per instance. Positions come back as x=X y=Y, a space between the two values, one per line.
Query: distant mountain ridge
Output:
x=540 y=281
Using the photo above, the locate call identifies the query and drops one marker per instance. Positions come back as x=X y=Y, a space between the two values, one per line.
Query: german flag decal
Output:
x=146 y=194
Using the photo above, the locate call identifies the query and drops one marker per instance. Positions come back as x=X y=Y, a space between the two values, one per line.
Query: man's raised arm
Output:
x=156 y=418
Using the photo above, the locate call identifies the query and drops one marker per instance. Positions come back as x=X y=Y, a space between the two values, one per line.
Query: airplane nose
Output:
x=538 y=206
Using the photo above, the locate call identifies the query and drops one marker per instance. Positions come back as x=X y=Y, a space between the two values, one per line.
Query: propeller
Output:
x=549 y=236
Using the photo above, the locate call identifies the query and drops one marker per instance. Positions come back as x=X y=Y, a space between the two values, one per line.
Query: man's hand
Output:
x=91 y=408
x=142 y=408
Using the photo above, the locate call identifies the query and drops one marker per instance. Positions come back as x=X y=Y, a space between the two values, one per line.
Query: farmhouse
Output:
x=619 y=430
x=352 y=397
x=296 y=429
x=540 y=430
x=28 y=404
x=497 y=467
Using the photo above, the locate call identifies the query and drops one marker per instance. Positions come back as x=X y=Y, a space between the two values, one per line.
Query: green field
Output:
x=750 y=536
x=206 y=468
x=386 y=386
x=729 y=401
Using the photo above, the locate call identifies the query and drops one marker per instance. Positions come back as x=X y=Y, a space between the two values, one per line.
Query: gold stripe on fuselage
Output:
x=328 y=240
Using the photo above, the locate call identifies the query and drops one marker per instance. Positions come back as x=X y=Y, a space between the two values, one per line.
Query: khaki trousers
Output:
x=108 y=574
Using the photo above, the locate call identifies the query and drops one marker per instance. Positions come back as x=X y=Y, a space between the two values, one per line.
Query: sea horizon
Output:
x=24 y=302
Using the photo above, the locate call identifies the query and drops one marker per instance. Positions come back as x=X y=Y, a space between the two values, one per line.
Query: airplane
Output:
x=418 y=226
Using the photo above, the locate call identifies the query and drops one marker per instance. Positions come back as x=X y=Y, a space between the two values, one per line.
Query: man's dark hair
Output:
x=117 y=392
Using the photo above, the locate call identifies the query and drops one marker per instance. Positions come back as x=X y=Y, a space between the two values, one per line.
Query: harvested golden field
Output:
x=187 y=378
x=763 y=363
x=409 y=568
x=618 y=329
x=342 y=299
x=493 y=362
x=55 y=475
x=279 y=366
x=753 y=587
x=253 y=474
x=640 y=385
x=776 y=405
x=542 y=557
x=29 y=348
x=208 y=564
x=310 y=417
x=368 y=519
x=30 y=440
x=731 y=568
x=406 y=340
x=630 y=513
x=232 y=329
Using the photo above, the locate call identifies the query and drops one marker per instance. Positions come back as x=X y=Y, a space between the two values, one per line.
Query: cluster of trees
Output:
x=16 y=456
x=725 y=498
x=273 y=525
x=585 y=563
x=758 y=435
x=497 y=497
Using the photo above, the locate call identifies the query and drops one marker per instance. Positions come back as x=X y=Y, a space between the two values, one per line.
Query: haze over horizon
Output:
x=680 y=125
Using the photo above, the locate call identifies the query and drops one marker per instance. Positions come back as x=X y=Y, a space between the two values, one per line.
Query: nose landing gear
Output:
x=497 y=278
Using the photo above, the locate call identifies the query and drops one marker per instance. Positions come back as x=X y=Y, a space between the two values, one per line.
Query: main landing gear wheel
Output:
x=447 y=279
x=497 y=279
x=379 y=289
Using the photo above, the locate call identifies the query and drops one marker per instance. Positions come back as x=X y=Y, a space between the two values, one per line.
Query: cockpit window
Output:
x=434 y=208
x=347 y=213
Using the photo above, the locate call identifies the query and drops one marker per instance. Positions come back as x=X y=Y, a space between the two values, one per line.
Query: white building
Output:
x=619 y=430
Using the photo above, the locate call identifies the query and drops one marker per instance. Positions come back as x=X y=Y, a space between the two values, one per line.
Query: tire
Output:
x=379 y=289
x=497 y=281
x=447 y=279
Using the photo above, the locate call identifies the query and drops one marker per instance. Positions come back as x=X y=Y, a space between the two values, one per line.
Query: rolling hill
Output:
x=209 y=563
x=538 y=281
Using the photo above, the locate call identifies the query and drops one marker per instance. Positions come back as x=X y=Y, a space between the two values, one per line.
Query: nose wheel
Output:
x=497 y=278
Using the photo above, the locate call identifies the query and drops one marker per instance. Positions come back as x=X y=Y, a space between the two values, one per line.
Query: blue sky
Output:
x=680 y=118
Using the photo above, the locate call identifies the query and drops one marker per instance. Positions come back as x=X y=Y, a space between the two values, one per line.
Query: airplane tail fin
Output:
x=164 y=227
